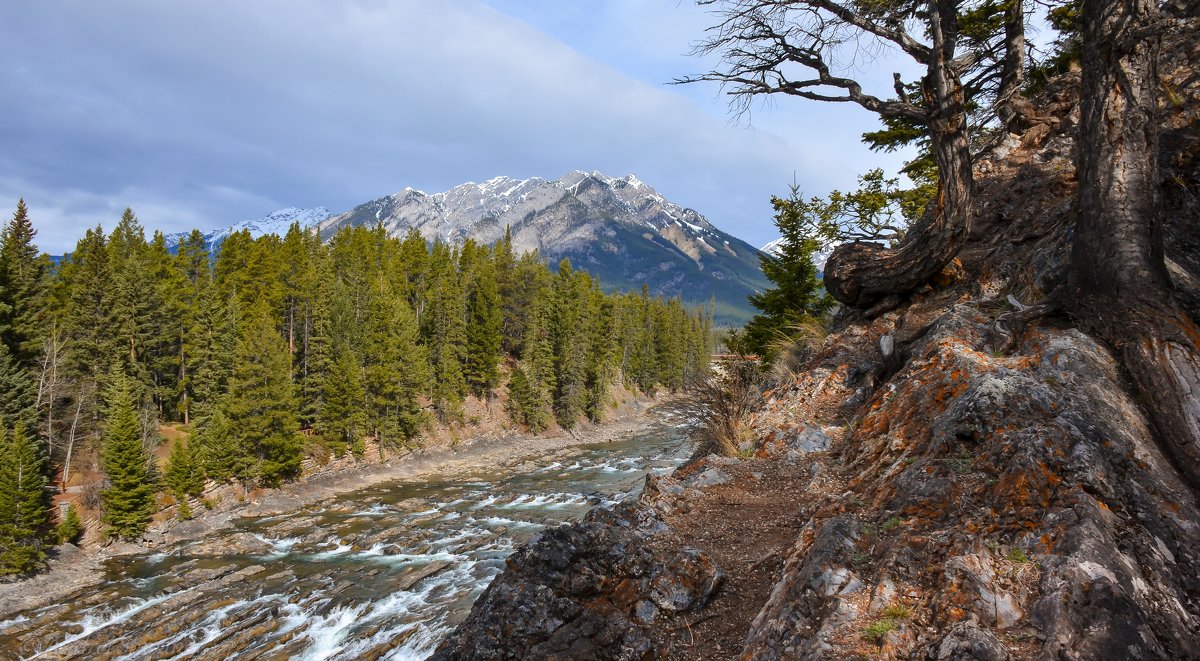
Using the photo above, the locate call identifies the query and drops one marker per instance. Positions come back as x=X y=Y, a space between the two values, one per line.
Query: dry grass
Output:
x=793 y=348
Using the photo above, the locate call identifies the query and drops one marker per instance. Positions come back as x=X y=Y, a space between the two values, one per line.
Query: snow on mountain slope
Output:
x=618 y=228
x=819 y=257
x=276 y=222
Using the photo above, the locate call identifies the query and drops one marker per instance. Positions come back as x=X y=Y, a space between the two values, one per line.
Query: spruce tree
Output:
x=261 y=404
x=70 y=529
x=191 y=262
x=84 y=280
x=24 y=509
x=22 y=289
x=217 y=450
x=131 y=301
x=396 y=368
x=484 y=326
x=341 y=420
x=443 y=330
x=797 y=295
x=184 y=476
x=18 y=393
x=129 y=498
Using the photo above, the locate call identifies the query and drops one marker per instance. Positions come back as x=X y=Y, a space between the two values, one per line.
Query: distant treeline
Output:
x=279 y=347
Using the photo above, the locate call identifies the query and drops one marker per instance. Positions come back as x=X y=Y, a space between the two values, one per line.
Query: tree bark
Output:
x=1120 y=289
x=862 y=274
x=1012 y=76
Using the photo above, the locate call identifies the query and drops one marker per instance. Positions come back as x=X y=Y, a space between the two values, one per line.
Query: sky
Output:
x=202 y=114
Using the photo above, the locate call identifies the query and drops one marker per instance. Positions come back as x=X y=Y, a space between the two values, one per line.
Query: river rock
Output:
x=240 y=543
x=583 y=591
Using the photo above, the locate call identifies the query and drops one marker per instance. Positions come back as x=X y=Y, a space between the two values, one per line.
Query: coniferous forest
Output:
x=275 y=349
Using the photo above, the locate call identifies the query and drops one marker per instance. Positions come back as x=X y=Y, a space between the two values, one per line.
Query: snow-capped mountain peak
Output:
x=819 y=257
x=277 y=222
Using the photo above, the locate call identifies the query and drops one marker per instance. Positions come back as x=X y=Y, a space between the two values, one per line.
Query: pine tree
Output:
x=444 y=332
x=84 y=281
x=165 y=336
x=129 y=498
x=797 y=295
x=131 y=301
x=191 y=263
x=342 y=421
x=18 y=394
x=261 y=404
x=22 y=289
x=396 y=368
x=24 y=510
x=184 y=476
x=217 y=450
x=70 y=529
x=484 y=325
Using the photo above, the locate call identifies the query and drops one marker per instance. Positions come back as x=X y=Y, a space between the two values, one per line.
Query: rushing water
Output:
x=382 y=573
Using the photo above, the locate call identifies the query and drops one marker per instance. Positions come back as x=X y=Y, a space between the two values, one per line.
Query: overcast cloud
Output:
x=200 y=114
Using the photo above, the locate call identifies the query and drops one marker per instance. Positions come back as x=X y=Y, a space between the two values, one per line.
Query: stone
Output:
x=810 y=439
x=587 y=590
x=708 y=478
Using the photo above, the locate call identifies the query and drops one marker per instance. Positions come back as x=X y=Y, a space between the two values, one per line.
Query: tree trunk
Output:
x=1120 y=289
x=1012 y=77
x=862 y=274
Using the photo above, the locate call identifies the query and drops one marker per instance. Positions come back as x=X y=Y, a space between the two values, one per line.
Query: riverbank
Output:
x=72 y=569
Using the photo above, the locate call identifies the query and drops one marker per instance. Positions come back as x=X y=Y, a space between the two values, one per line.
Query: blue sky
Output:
x=201 y=114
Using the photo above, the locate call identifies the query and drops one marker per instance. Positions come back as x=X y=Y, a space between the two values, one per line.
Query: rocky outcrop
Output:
x=942 y=485
x=590 y=590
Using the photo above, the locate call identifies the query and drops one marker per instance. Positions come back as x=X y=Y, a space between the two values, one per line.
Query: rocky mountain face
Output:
x=618 y=229
x=929 y=485
x=276 y=223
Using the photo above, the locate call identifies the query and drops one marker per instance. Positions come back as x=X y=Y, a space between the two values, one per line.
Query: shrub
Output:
x=70 y=529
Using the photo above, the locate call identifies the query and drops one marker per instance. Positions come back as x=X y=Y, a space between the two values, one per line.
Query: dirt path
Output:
x=747 y=525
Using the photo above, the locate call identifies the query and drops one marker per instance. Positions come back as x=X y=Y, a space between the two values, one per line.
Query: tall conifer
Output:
x=22 y=289
x=261 y=404
x=129 y=498
x=24 y=510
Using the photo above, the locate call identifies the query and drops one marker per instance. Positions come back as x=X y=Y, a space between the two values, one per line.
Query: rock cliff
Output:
x=933 y=485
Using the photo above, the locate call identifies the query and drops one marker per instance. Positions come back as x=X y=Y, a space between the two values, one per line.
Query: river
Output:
x=381 y=573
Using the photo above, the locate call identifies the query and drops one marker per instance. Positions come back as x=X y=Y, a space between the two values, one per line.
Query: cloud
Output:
x=204 y=113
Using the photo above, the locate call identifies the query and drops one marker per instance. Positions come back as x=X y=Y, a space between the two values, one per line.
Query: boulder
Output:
x=587 y=590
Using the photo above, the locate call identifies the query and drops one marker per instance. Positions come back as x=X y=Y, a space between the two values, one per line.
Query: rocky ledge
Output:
x=930 y=485
x=589 y=590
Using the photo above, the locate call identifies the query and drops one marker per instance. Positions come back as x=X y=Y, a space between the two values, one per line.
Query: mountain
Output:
x=276 y=222
x=819 y=257
x=619 y=229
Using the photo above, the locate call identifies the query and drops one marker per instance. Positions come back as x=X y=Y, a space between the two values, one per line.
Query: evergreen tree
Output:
x=569 y=339
x=18 y=394
x=341 y=421
x=24 y=509
x=84 y=281
x=131 y=301
x=129 y=498
x=70 y=529
x=261 y=403
x=484 y=325
x=220 y=456
x=184 y=476
x=192 y=299
x=797 y=295
x=444 y=332
x=397 y=370
x=22 y=289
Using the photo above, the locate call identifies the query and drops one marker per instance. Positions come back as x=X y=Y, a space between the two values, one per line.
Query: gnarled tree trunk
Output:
x=861 y=274
x=1120 y=289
